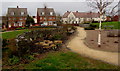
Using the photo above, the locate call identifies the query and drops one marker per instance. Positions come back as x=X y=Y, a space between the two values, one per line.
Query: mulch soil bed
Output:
x=110 y=44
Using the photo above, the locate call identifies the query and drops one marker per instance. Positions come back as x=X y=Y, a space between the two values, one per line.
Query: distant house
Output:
x=46 y=16
x=80 y=17
x=16 y=17
x=116 y=18
x=108 y=18
x=4 y=22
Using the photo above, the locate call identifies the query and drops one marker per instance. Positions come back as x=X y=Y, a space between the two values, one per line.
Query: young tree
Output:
x=58 y=19
x=29 y=21
x=100 y=6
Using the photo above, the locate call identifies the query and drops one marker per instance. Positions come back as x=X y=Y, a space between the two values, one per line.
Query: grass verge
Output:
x=66 y=60
x=108 y=25
x=13 y=34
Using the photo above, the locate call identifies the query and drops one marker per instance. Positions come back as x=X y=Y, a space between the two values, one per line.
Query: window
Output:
x=21 y=18
x=22 y=13
x=51 y=13
x=9 y=18
x=12 y=13
x=50 y=18
x=9 y=25
x=15 y=24
x=43 y=13
x=44 y=18
x=20 y=23
x=40 y=17
x=54 y=18
x=25 y=18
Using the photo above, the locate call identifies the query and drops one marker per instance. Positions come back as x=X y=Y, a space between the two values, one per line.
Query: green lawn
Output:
x=116 y=25
x=12 y=34
x=67 y=60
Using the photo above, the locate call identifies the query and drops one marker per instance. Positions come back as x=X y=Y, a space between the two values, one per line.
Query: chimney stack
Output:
x=45 y=7
x=17 y=6
x=76 y=11
x=67 y=11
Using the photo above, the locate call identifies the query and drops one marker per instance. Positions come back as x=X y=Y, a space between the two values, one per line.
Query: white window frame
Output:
x=20 y=24
x=12 y=13
x=21 y=18
x=43 y=13
x=51 y=13
x=40 y=17
x=22 y=13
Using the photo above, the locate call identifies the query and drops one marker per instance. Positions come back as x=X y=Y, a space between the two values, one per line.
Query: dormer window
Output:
x=42 y=13
x=12 y=13
x=51 y=13
x=22 y=13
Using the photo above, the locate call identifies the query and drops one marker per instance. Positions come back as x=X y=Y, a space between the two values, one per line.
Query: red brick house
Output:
x=115 y=18
x=46 y=16
x=16 y=17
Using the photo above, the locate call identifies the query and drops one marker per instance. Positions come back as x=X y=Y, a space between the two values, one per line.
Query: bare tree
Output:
x=112 y=11
x=100 y=6
x=58 y=19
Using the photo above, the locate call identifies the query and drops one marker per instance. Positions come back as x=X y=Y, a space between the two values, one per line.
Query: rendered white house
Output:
x=80 y=17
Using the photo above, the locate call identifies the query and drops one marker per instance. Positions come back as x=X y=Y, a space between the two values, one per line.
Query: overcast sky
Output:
x=60 y=6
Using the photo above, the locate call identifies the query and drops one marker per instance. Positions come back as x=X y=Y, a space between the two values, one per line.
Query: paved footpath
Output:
x=77 y=45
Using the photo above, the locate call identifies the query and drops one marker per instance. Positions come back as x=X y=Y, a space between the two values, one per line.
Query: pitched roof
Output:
x=17 y=11
x=82 y=15
x=66 y=14
x=46 y=11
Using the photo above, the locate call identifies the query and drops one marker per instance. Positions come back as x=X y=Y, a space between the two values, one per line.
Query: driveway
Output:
x=77 y=45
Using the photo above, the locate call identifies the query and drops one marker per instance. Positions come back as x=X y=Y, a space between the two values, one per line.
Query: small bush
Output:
x=57 y=37
x=29 y=57
x=89 y=28
x=110 y=34
x=118 y=34
x=4 y=42
x=14 y=60
x=20 y=28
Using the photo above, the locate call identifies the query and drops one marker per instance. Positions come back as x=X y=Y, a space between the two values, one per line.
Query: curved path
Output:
x=77 y=45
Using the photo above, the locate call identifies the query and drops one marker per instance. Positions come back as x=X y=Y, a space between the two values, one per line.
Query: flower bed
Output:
x=36 y=41
x=44 y=39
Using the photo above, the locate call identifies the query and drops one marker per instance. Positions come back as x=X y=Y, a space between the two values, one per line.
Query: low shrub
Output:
x=118 y=34
x=110 y=34
x=4 y=42
x=91 y=27
x=44 y=27
x=26 y=41
x=57 y=37
x=3 y=30
x=28 y=57
x=20 y=28
x=14 y=60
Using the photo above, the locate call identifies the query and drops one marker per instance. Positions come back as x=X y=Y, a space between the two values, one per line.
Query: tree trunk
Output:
x=99 y=35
